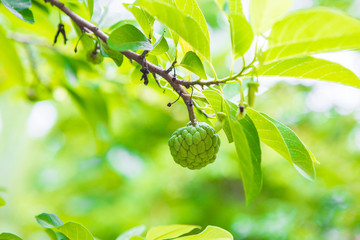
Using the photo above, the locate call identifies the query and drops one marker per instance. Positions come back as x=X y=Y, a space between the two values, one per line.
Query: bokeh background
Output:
x=89 y=142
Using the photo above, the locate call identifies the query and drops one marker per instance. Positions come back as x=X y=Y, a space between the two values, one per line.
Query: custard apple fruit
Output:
x=94 y=57
x=194 y=147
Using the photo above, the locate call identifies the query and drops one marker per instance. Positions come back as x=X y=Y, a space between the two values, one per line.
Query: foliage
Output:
x=57 y=230
x=163 y=36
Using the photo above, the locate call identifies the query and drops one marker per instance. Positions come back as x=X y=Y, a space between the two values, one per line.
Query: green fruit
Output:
x=94 y=57
x=194 y=147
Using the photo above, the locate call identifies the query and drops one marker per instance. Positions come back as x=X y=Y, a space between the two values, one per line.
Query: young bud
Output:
x=240 y=113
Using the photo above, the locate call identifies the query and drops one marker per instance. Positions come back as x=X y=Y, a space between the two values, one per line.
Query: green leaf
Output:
x=117 y=56
x=90 y=4
x=264 y=13
x=9 y=236
x=247 y=145
x=145 y=20
x=20 y=8
x=128 y=37
x=75 y=231
x=131 y=232
x=55 y=235
x=284 y=141
x=87 y=42
x=193 y=63
x=93 y=106
x=10 y=62
x=217 y=103
x=310 y=68
x=184 y=25
x=210 y=232
x=241 y=34
x=191 y=8
x=48 y=220
x=311 y=31
x=51 y=234
x=235 y=6
x=2 y=202
x=220 y=3
x=169 y=231
x=161 y=46
x=136 y=238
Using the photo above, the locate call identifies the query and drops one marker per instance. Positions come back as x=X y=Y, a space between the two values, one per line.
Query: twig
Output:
x=214 y=81
x=89 y=27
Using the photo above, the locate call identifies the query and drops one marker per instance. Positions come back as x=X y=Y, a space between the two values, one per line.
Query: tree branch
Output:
x=89 y=27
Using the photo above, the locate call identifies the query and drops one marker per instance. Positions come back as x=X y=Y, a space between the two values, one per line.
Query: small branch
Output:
x=171 y=67
x=89 y=27
x=214 y=81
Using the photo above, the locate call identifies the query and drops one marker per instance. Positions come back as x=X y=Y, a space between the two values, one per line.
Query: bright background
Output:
x=105 y=163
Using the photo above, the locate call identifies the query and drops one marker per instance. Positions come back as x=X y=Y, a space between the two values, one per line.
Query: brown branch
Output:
x=87 y=26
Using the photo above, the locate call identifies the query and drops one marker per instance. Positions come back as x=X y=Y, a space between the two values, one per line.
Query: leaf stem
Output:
x=213 y=70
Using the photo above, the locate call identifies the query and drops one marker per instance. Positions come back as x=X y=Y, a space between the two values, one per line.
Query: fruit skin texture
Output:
x=194 y=147
x=94 y=57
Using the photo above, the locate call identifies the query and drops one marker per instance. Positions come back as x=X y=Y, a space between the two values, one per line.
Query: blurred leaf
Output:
x=90 y=7
x=145 y=20
x=136 y=75
x=310 y=68
x=93 y=106
x=340 y=4
x=182 y=24
x=241 y=34
x=132 y=232
x=117 y=56
x=264 y=13
x=75 y=231
x=51 y=233
x=175 y=38
x=193 y=63
x=321 y=30
x=20 y=8
x=283 y=140
x=235 y=6
x=87 y=42
x=312 y=155
x=220 y=3
x=128 y=37
x=9 y=236
x=48 y=220
x=2 y=202
x=11 y=63
x=185 y=46
x=169 y=231
x=91 y=101
x=161 y=46
x=191 y=8
x=55 y=235
x=210 y=232
x=153 y=59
